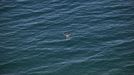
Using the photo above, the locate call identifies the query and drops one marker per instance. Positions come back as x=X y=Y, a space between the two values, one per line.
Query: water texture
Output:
x=32 y=40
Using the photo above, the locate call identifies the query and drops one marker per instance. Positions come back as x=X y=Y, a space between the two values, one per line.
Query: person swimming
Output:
x=67 y=35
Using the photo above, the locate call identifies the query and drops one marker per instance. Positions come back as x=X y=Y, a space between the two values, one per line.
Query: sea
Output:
x=33 y=39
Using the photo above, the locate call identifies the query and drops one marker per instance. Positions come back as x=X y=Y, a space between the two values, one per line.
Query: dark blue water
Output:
x=32 y=40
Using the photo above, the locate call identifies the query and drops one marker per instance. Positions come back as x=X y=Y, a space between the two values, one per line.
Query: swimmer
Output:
x=67 y=35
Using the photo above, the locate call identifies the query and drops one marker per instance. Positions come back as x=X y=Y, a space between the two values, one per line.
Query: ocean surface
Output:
x=32 y=40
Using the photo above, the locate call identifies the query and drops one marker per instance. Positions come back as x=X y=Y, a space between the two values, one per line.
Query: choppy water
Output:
x=32 y=40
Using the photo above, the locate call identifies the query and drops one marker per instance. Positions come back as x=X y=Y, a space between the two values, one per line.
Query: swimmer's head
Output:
x=66 y=33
